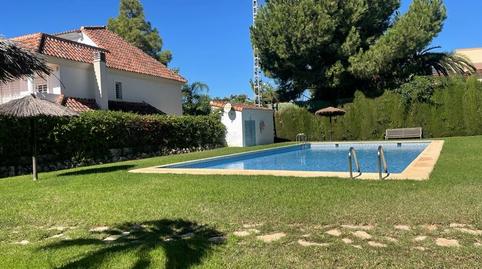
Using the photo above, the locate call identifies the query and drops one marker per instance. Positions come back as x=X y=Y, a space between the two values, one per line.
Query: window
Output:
x=42 y=88
x=118 y=90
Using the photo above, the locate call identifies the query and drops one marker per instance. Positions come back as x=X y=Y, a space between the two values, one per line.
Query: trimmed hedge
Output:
x=93 y=134
x=454 y=108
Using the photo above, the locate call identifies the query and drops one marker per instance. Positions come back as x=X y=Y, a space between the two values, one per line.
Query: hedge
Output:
x=93 y=134
x=452 y=108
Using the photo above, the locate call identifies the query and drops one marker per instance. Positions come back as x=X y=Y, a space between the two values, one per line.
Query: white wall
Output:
x=78 y=79
x=234 y=127
x=234 y=122
x=163 y=94
x=264 y=124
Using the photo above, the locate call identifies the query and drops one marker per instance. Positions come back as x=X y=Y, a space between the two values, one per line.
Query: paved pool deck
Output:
x=419 y=169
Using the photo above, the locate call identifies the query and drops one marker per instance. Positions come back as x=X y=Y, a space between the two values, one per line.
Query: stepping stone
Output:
x=357 y=246
x=362 y=235
x=271 y=237
x=420 y=248
x=402 y=227
x=469 y=231
x=112 y=237
x=187 y=236
x=57 y=236
x=420 y=238
x=391 y=239
x=126 y=233
x=241 y=233
x=247 y=226
x=458 y=225
x=358 y=227
x=310 y=244
x=443 y=242
x=217 y=239
x=58 y=228
x=334 y=232
x=99 y=229
x=430 y=227
x=347 y=240
x=246 y=232
x=376 y=244
x=23 y=242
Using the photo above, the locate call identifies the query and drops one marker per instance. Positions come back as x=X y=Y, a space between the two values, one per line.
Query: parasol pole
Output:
x=34 y=149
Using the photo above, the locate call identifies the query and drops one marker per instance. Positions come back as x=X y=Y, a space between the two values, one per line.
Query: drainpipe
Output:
x=102 y=92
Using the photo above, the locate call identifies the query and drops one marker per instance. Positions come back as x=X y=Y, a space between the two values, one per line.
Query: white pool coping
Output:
x=418 y=169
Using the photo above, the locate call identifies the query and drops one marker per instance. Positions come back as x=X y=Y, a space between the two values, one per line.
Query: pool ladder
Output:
x=301 y=139
x=352 y=157
x=382 y=164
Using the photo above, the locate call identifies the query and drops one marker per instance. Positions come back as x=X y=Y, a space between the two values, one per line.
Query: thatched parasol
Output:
x=330 y=112
x=16 y=62
x=31 y=107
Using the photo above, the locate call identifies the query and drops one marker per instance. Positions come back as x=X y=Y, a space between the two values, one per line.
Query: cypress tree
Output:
x=131 y=25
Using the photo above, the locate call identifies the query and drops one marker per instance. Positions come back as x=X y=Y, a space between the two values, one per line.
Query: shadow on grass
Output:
x=184 y=243
x=97 y=170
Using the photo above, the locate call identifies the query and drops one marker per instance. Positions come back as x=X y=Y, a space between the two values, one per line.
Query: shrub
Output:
x=442 y=107
x=93 y=134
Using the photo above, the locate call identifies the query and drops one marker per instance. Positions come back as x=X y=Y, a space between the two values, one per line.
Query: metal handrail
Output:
x=301 y=138
x=382 y=164
x=352 y=157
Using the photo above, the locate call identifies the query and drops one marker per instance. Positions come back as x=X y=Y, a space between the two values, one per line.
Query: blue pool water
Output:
x=316 y=157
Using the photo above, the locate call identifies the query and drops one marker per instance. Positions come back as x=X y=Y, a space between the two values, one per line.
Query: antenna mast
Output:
x=257 y=68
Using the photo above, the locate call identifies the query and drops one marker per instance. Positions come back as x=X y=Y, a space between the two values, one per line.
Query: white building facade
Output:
x=246 y=125
x=93 y=64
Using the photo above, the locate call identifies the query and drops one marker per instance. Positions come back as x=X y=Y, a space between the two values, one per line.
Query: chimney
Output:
x=101 y=91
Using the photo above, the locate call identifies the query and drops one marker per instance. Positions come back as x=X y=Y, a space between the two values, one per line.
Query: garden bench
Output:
x=403 y=133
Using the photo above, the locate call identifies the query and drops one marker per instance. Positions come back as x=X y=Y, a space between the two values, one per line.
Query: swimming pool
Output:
x=316 y=157
x=406 y=160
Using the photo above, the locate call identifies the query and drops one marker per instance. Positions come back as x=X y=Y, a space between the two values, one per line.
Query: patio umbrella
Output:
x=330 y=112
x=16 y=62
x=31 y=107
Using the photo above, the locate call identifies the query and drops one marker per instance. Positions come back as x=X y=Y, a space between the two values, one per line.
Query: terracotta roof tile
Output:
x=119 y=54
x=124 y=56
x=80 y=104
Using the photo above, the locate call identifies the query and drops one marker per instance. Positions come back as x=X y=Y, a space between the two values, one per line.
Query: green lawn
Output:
x=158 y=209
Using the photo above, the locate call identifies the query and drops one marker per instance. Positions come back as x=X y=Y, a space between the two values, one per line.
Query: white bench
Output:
x=403 y=133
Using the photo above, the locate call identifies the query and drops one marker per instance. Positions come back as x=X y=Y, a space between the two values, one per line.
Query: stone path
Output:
x=443 y=242
x=311 y=244
x=271 y=237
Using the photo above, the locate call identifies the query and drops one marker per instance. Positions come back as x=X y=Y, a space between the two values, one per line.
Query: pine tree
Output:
x=335 y=47
x=131 y=25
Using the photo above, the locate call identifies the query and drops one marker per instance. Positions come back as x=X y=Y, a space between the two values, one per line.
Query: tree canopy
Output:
x=335 y=47
x=195 y=101
x=131 y=25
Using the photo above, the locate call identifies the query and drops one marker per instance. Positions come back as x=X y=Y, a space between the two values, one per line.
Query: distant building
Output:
x=246 y=125
x=94 y=68
x=475 y=56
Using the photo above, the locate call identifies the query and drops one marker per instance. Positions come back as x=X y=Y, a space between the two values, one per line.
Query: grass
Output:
x=170 y=206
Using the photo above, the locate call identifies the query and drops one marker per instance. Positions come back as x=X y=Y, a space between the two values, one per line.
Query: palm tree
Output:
x=16 y=62
x=269 y=94
x=194 y=94
x=429 y=62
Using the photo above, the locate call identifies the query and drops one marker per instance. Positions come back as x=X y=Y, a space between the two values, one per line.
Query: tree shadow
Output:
x=185 y=244
x=97 y=170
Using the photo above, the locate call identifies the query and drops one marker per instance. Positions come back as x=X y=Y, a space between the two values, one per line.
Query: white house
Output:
x=93 y=68
x=246 y=125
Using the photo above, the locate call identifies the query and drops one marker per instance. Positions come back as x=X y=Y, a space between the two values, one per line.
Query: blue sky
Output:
x=209 y=39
